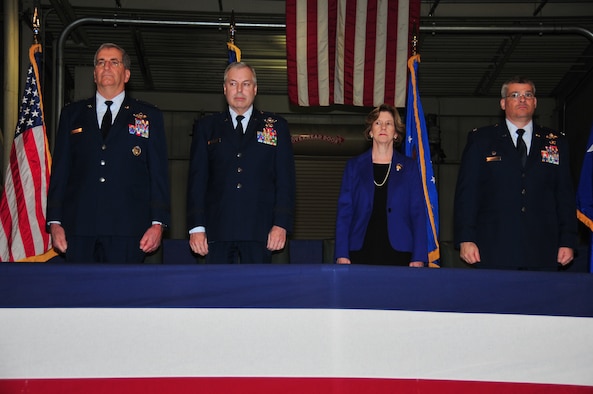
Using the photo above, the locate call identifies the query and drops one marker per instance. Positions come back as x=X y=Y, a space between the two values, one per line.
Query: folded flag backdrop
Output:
x=22 y=208
x=417 y=146
x=585 y=192
x=348 y=52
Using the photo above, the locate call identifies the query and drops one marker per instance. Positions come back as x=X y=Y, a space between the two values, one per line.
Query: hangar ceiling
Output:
x=468 y=48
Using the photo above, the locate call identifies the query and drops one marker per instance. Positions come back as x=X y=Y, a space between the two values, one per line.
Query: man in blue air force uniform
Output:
x=108 y=198
x=515 y=202
x=242 y=178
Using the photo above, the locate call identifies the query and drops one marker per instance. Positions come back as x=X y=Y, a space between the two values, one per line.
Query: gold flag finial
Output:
x=232 y=29
x=36 y=25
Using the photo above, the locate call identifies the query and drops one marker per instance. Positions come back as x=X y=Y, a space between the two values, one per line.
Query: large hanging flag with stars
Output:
x=417 y=146
x=350 y=52
x=22 y=207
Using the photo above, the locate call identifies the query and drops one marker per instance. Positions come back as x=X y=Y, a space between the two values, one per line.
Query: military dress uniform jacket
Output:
x=240 y=187
x=114 y=187
x=518 y=217
x=405 y=210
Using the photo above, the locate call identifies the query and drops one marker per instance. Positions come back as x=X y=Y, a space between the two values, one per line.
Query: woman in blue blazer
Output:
x=381 y=217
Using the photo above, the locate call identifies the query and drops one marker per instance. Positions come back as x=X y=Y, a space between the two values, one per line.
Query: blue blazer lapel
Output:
x=367 y=175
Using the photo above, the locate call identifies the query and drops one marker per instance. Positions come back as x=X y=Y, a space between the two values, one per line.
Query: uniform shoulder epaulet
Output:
x=145 y=103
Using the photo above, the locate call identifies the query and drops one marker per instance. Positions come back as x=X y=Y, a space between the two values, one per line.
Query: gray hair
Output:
x=125 y=57
x=516 y=79
x=239 y=65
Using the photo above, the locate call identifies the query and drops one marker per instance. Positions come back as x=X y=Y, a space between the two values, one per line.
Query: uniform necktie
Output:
x=239 y=128
x=106 y=122
x=521 y=147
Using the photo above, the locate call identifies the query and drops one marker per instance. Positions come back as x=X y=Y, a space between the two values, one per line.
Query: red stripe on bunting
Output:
x=275 y=385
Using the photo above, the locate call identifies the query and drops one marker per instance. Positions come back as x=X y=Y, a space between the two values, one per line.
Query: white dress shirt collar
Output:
x=245 y=121
x=527 y=136
x=102 y=108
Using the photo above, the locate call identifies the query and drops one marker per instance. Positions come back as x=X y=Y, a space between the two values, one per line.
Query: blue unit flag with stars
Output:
x=417 y=146
x=585 y=194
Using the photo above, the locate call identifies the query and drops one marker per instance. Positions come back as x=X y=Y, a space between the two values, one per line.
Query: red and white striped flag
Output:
x=23 y=203
x=351 y=52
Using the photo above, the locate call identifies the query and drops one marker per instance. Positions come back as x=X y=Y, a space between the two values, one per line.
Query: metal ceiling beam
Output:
x=506 y=50
x=67 y=16
x=141 y=58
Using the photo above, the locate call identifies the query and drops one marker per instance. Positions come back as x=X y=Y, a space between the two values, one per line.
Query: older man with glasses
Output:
x=514 y=202
x=108 y=199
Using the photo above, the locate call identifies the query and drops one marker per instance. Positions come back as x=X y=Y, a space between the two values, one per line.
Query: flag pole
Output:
x=234 y=51
x=418 y=147
x=36 y=26
x=232 y=28
x=414 y=40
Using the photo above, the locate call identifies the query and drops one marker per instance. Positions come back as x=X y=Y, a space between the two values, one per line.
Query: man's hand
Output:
x=565 y=255
x=151 y=240
x=58 y=237
x=469 y=252
x=198 y=242
x=276 y=238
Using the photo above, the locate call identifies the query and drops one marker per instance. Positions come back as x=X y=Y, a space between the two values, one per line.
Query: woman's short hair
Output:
x=400 y=128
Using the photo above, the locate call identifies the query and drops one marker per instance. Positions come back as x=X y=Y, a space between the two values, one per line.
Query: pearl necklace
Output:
x=384 y=179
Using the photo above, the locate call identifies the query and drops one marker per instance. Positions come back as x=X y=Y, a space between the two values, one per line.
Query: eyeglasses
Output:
x=517 y=95
x=112 y=62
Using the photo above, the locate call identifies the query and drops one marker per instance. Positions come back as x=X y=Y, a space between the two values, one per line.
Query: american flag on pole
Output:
x=22 y=208
x=417 y=146
x=351 y=52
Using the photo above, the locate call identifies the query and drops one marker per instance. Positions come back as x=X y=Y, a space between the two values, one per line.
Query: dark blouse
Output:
x=377 y=249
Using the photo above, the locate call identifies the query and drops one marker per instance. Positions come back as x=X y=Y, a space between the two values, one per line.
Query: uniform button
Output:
x=239 y=186
x=103 y=147
x=101 y=179
x=239 y=170
x=102 y=162
x=239 y=154
x=523 y=209
x=523 y=192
